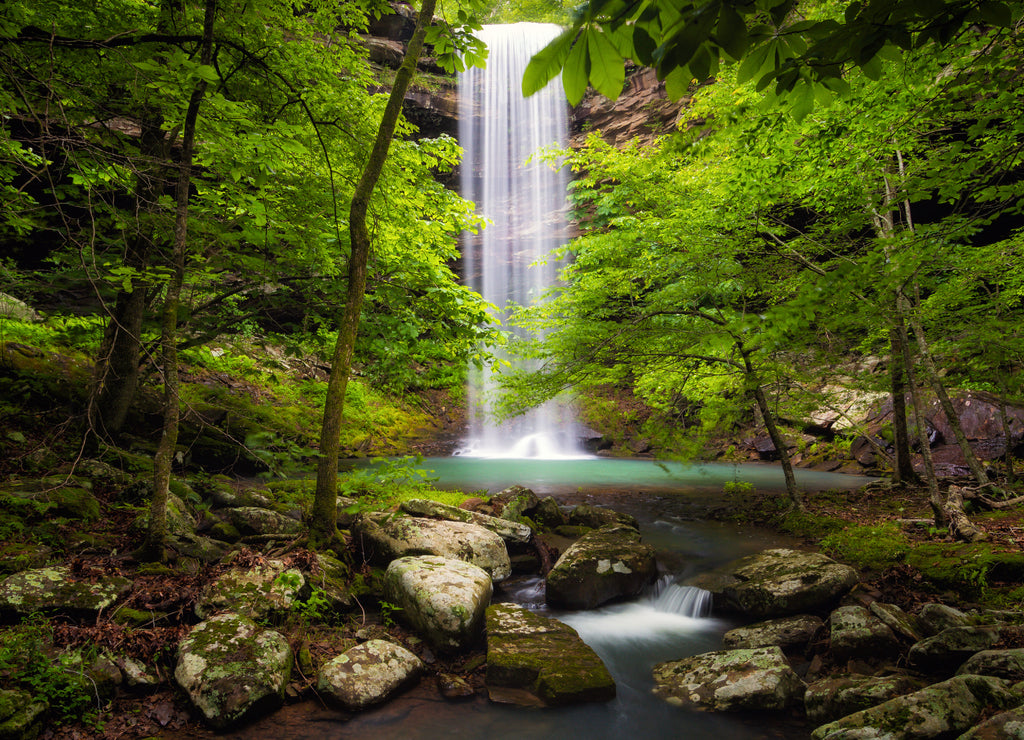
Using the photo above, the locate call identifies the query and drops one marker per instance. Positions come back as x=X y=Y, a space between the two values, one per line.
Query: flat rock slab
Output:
x=255 y=593
x=368 y=674
x=938 y=711
x=754 y=679
x=55 y=589
x=605 y=564
x=232 y=669
x=384 y=537
x=444 y=600
x=780 y=582
x=533 y=659
x=786 y=632
x=511 y=532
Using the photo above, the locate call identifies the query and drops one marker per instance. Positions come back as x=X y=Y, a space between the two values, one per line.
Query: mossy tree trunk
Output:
x=323 y=525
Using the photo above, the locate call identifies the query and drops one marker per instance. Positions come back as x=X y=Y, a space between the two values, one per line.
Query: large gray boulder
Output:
x=261 y=592
x=384 y=538
x=605 y=564
x=944 y=652
x=367 y=674
x=754 y=679
x=780 y=582
x=232 y=669
x=55 y=589
x=794 y=632
x=837 y=696
x=857 y=633
x=444 y=600
x=253 y=520
x=511 y=532
x=938 y=711
x=532 y=659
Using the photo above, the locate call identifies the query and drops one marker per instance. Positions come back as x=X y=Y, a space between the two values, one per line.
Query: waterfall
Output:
x=524 y=200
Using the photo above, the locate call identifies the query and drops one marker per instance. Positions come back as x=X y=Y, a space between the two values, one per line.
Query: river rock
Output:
x=1008 y=664
x=258 y=593
x=21 y=715
x=780 y=582
x=900 y=622
x=548 y=514
x=837 y=696
x=857 y=633
x=367 y=674
x=605 y=564
x=532 y=659
x=942 y=653
x=54 y=589
x=444 y=600
x=511 y=532
x=754 y=679
x=934 y=618
x=794 y=632
x=585 y=515
x=1003 y=726
x=252 y=520
x=232 y=669
x=941 y=710
x=514 y=503
x=384 y=538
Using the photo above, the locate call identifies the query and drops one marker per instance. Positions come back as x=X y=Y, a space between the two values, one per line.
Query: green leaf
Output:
x=996 y=14
x=545 y=65
x=752 y=64
x=677 y=83
x=732 y=33
x=575 y=73
x=607 y=71
x=872 y=68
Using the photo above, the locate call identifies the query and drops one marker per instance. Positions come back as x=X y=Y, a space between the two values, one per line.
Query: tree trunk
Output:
x=156 y=535
x=1011 y=477
x=903 y=466
x=323 y=525
x=935 y=500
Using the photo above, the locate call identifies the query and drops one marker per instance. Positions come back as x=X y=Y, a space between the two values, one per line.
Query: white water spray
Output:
x=524 y=198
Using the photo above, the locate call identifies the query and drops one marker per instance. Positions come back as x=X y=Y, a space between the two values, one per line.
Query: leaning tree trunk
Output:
x=156 y=535
x=323 y=524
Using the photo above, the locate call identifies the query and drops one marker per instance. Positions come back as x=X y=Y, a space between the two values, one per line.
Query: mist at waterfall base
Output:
x=524 y=199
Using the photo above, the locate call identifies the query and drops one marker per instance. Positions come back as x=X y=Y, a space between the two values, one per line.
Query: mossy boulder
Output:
x=857 y=633
x=1008 y=664
x=21 y=715
x=253 y=520
x=532 y=659
x=367 y=674
x=938 y=711
x=262 y=592
x=514 y=503
x=837 y=696
x=942 y=653
x=232 y=669
x=754 y=679
x=54 y=589
x=795 y=632
x=605 y=564
x=442 y=599
x=585 y=515
x=511 y=532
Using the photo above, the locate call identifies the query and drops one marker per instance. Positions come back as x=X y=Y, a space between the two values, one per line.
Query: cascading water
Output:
x=524 y=199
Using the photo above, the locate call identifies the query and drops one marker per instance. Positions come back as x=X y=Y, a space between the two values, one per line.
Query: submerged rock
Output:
x=442 y=599
x=232 y=669
x=384 y=538
x=941 y=710
x=755 y=679
x=533 y=659
x=605 y=564
x=367 y=674
x=776 y=583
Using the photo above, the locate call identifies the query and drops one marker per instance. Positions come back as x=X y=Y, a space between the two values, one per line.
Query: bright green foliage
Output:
x=777 y=42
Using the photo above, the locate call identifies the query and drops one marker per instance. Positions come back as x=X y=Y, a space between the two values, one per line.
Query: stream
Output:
x=666 y=624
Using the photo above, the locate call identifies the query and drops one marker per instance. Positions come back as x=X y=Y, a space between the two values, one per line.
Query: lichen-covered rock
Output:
x=384 y=538
x=902 y=624
x=515 y=502
x=934 y=618
x=595 y=517
x=794 y=632
x=1008 y=664
x=444 y=600
x=17 y=309
x=511 y=532
x=941 y=710
x=331 y=578
x=837 y=696
x=232 y=669
x=257 y=593
x=535 y=659
x=605 y=564
x=944 y=652
x=776 y=583
x=548 y=514
x=54 y=589
x=755 y=679
x=1003 y=726
x=857 y=633
x=367 y=674
x=21 y=715
x=252 y=520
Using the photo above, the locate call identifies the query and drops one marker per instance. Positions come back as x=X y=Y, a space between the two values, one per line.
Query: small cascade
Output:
x=524 y=198
x=688 y=601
